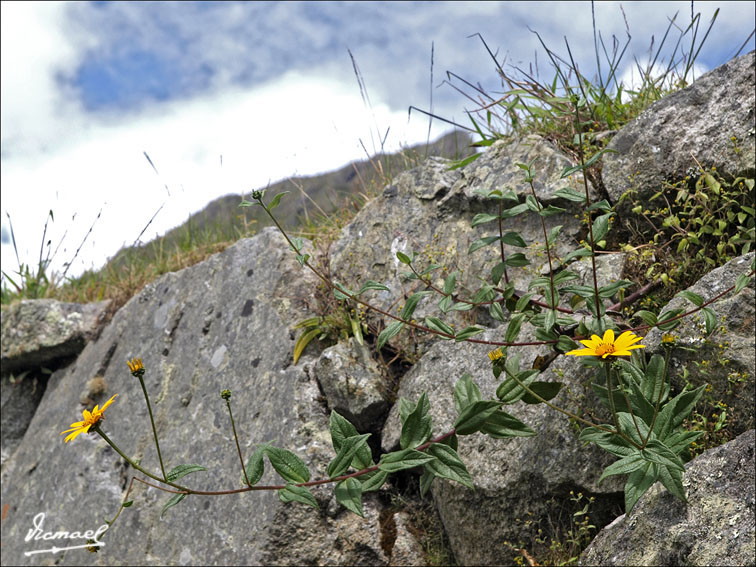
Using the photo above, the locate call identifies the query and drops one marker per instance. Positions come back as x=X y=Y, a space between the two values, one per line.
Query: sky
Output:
x=225 y=97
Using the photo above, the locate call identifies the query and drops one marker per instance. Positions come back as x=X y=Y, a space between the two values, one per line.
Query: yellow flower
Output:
x=90 y=419
x=495 y=354
x=136 y=367
x=597 y=346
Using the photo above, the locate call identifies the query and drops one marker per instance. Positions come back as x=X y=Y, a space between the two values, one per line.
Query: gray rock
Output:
x=715 y=527
x=726 y=359
x=429 y=211
x=514 y=478
x=37 y=331
x=696 y=122
x=224 y=323
x=353 y=384
x=407 y=550
x=19 y=398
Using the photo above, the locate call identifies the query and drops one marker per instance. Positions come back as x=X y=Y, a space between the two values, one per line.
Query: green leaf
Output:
x=610 y=290
x=741 y=281
x=467 y=332
x=412 y=301
x=425 y=481
x=602 y=205
x=449 y=283
x=657 y=452
x=694 y=298
x=389 y=332
x=485 y=293
x=523 y=302
x=514 y=239
x=340 y=291
x=496 y=312
x=373 y=481
x=341 y=428
x=676 y=410
x=570 y=195
x=181 y=471
x=276 y=200
x=655 y=380
x=517 y=260
x=626 y=465
x=175 y=499
x=405 y=459
x=550 y=211
x=638 y=483
x=255 y=466
x=464 y=162
x=128 y=504
x=601 y=226
x=514 y=211
x=296 y=493
x=288 y=465
x=472 y=417
x=482 y=218
x=533 y=203
x=481 y=243
x=648 y=317
x=448 y=464
x=501 y=425
x=403 y=258
x=350 y=446
x=303 y=340
x=579 y=253
x=510 y=391
x=513 y=329
x=418 y=426
x=445 y=304
x=466 y=392
x=566 y=344
x=667 y=315
x=672 y=481
x=610 y=442
x=497 y=271
x=438 y=325
x=553 y=233
x=349 y=494
x=370 y=284
x=710 y=318
x=547 y=390
x=681 y=440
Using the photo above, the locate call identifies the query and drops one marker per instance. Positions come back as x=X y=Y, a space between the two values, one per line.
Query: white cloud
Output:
x=295 y=124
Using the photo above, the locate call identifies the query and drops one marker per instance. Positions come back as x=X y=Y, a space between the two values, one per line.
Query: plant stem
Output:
x=154 y=429
x=236 y=438
x=133 y=464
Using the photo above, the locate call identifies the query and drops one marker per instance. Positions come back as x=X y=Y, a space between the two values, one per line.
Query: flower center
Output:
x=605 y=348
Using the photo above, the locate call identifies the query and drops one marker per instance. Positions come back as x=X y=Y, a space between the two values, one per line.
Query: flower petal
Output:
x=110 y=401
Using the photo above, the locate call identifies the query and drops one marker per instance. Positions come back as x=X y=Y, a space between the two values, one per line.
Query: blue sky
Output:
x=88 y=87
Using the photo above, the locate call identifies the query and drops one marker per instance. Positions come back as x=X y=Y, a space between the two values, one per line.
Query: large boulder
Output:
x=224 y=323
x=715 y=526
x=35 y=332
x=38 y=336
x=710 y=121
